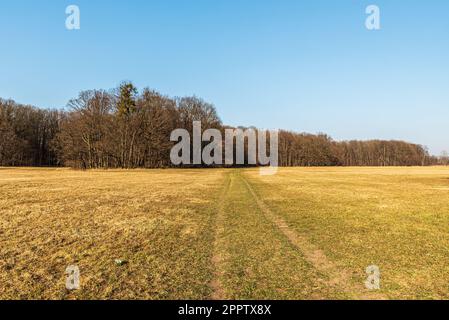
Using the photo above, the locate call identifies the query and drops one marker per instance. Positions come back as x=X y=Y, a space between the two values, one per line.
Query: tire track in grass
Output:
x=257 y=262
x=340 y=279
x=215 y=284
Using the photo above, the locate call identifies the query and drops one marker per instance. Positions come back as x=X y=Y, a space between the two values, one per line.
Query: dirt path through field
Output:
x=251 y=259
x=217 y=288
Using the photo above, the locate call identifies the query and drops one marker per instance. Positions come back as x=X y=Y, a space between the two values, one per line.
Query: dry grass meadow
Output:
x=305 y=233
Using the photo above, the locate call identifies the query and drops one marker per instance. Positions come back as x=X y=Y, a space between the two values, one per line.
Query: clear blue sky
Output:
x=301 y=65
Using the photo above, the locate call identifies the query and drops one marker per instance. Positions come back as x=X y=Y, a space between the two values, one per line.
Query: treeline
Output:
x=27 y=134
x=320 y=150
x=123 y=128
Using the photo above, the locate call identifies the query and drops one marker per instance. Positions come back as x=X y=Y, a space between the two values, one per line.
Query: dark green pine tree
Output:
x=127 y=102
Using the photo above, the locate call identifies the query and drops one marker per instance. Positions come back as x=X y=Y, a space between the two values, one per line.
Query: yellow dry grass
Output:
x=305 y=233
x=157 y=221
